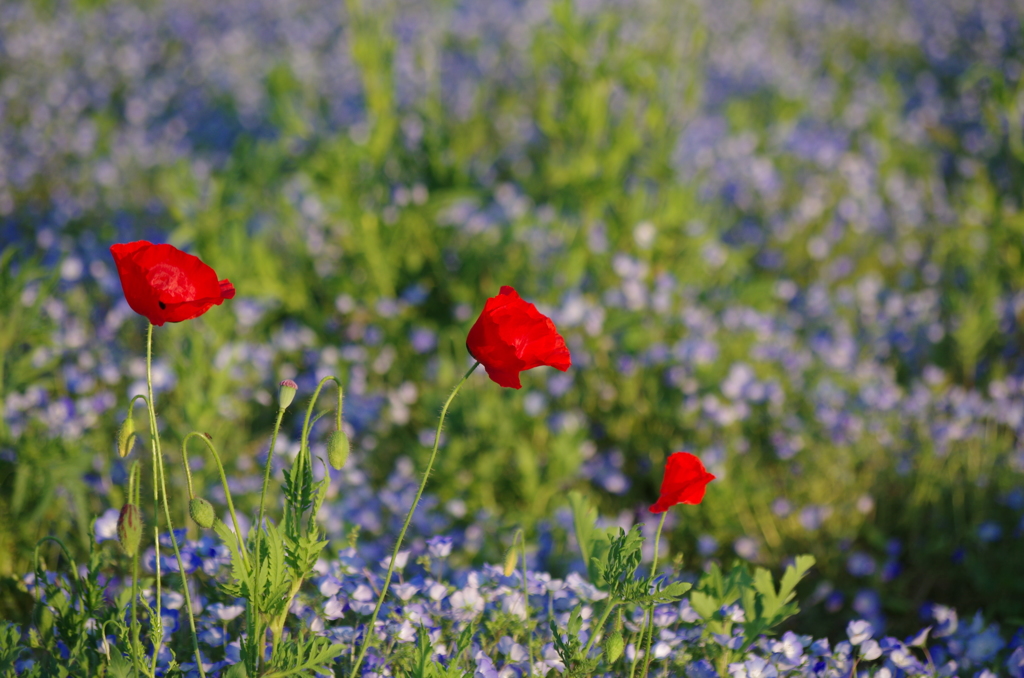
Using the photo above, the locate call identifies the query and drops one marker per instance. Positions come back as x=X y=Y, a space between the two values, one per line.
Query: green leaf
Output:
x=239 y=584
x=319 y=495
x=583 y=519
x=119 y=667
x=704 y=605
x=311 y=656
x=672 y=593
x=618 y=575
x=236 y=671
x=274 y=580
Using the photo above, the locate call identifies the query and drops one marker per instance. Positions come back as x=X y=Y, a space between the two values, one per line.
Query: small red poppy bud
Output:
x=202 y=512
x=129 y=528
x=287 y=393
x=126 y=436
x=337 y=449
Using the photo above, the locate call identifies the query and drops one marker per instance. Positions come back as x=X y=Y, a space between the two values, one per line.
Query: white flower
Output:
x=467 y=604
x=859 y=631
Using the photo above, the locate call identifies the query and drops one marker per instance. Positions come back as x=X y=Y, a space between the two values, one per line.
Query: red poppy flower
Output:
x=511 y=336
x=165 y=284
x=684 y=482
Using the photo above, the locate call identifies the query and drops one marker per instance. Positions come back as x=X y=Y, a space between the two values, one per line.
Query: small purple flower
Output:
x=870 y=650
x=423 y=340
x=859 y=631
x=701 y=668
x=860 y=564
x=439 y=546
x=105 y=526
x=1015 y=663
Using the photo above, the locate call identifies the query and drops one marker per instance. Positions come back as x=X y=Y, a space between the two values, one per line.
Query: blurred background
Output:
x=785 y=235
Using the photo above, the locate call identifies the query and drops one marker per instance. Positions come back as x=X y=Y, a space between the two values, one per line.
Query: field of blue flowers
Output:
x=786 y=236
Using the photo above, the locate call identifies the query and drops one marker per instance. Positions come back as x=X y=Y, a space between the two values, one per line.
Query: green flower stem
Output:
x=156 y=623
x=136 y=647
x=526 y=605
x=298 y=480
x=133 y=498
x=223 y=480
x=159 y=463
x=368 y=636
x=650 y=608
x=256 y=632
x=611 y=603
x=266 y=480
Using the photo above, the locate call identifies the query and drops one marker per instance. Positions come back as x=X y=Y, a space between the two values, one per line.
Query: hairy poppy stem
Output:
x=134 y=490
x=596 y=630
x=368 y=635
x=526 y=604
x=224 y=483
x=298 y=479
x=650 y=608
x=256 y=631
x=159 y=471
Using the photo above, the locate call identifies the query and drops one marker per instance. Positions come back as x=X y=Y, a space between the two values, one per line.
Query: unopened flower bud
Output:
x=337 y=449
x=287 y=393
x=511 y=558
x=202 y=512
x=129 y=528
x=126 y=436
x=613 y=647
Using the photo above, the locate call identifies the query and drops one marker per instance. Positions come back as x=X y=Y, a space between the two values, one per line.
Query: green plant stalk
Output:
x=231 y=507
x=526 y=605
x=611 y=604
x=158 y=459
x=650 y=608
x=133 y=498
x=277 y=624
x=307 y=425
x=253 y=621
x=156 y=624
x=136 y=646
x=368 y=636
x=224 y=483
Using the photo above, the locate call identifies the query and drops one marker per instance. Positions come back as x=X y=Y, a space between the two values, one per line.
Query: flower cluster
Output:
x=838 y=335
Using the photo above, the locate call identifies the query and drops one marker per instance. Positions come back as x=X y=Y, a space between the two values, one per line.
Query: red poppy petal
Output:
x=176 y=276
x=165 y=284
x=511 y=336
x=685 y=482
x=509 y=378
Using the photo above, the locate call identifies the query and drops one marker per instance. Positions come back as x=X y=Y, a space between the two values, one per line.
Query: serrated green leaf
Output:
x=119 y=667
x=765 y=586
x=239 y=584
x=793 y=574
x=274 y=580
x=749 y=600
x=319 y=495
x=311 y=656
x=670 y=594
x=703 y=604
